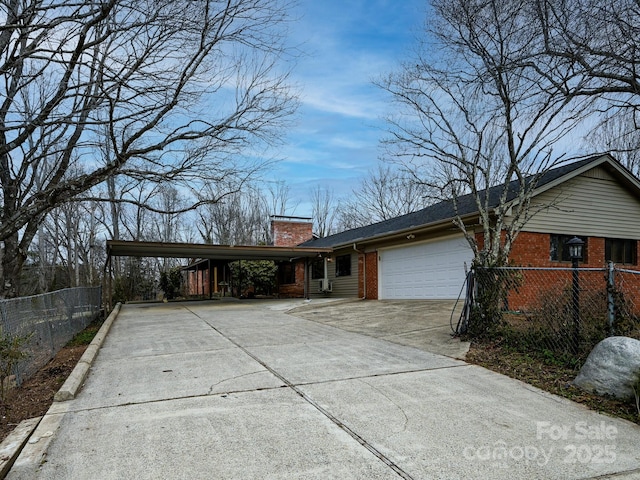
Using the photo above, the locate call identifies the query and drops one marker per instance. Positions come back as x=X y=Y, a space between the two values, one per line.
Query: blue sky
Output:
x=346 y=45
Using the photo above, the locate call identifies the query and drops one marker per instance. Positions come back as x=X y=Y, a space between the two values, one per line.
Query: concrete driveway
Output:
x=423 y=324
x=246 y=391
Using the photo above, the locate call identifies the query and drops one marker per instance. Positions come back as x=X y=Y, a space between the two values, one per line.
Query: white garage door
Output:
x=433 y=270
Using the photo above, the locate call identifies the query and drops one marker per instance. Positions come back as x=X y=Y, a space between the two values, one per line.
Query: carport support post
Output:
x=306 y=278
x=209 y=271
x=107 y=294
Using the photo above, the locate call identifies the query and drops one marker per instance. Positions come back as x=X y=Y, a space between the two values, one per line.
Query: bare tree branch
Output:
x=164 y=90
x=324 y=211
x=477 y=115
x=383 y=194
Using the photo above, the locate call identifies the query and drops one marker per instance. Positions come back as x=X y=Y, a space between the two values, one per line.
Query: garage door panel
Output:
x=424 y=271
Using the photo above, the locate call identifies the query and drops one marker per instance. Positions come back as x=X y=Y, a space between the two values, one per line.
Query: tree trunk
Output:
x=43 y=275
x=13 y=258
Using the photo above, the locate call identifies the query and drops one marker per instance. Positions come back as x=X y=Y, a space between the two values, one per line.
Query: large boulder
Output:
x=613 y=368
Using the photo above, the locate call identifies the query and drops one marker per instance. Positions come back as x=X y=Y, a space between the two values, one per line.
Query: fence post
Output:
x=576 y=306
x=611 y=306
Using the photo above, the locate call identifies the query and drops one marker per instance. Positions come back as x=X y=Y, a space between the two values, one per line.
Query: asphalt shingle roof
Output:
x=438 y=212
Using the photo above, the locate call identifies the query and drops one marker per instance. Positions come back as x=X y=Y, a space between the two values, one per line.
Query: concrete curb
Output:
x=72 y=385
x=26 y=432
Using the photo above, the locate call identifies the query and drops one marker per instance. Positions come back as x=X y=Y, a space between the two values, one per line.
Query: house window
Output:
x=618 y=250
x=559 y=250
x=287 y=272
x=317 y=268
x=343 y=265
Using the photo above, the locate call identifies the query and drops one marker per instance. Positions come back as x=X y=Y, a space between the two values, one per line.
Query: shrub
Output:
x=12 y=350
x=259 y=274
x=491 y=300
x=171 y=282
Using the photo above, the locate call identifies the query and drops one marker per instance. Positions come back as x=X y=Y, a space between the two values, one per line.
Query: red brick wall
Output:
x=295 y=290
x=368 y=264
x=533 y=250
x=191 y=282
x=289 y=233
x=371 y=264
x=198 y=282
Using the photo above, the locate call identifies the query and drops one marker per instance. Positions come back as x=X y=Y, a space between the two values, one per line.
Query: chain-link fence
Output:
x=49 y=321
x=556 y=311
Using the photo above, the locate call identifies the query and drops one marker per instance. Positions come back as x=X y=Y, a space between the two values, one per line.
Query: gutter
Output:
x=430 y=227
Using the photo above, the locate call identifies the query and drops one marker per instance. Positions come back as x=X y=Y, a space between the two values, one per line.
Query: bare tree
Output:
x=594 y=47
x=384 y=193
x=476 y=115
x=66 y=253
x=167 y=227
x=619 y=136
x=279 y=198
x=324 y=211
x=91 y=253
x=594 y=44
x=239 y=218
x=176 y=89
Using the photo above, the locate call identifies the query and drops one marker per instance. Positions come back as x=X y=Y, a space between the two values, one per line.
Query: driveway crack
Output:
x=404 y=414
x=210 y=392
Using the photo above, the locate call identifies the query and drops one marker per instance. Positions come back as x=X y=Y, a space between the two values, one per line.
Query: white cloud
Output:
x=346 y=46
x=350 y=143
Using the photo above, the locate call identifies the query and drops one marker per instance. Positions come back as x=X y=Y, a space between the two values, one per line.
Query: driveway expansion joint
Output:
x=178 y=398
x=372 y=449
x=608 y=476
x=376 y=375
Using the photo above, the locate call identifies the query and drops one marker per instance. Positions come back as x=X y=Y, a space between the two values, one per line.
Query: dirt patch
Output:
x=546 y=375
x=34 y=397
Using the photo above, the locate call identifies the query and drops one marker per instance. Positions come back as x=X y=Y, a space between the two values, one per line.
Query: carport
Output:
x=209 y=255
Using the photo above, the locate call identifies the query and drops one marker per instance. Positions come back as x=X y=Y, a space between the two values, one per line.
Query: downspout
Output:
x=325 y=276
x=364 y=271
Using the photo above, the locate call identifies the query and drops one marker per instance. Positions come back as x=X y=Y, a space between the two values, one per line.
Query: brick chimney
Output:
x=290 y=231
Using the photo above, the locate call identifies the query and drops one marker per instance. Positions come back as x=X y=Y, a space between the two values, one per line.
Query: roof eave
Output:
x=426 y=228
x=221 y=252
